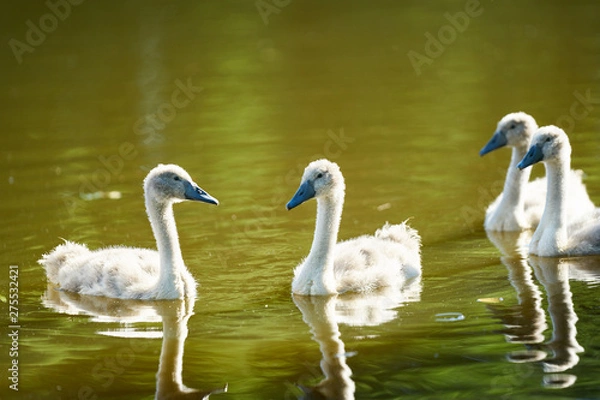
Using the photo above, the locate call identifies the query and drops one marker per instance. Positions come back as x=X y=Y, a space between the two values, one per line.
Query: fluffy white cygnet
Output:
x=556 y=235
x=134 y=273
x=521 y=204
x=390 y=257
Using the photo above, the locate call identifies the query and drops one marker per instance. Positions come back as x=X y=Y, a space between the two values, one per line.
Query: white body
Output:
x=118 y=272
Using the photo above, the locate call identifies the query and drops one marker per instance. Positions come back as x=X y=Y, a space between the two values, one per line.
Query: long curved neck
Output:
x=552 y=229
x=555 y=210
x=167 y=241
x=516 y=180
x=329 y=215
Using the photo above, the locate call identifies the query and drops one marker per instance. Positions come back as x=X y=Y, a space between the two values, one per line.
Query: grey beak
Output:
x=305 y=192
x=498 y=140
x=195 y=192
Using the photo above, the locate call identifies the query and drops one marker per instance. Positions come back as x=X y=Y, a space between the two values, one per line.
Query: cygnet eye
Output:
x=512 y=126
x=177 y=178
x=319 y=175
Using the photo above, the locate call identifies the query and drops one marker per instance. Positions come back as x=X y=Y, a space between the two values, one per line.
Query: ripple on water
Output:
x=449 y=317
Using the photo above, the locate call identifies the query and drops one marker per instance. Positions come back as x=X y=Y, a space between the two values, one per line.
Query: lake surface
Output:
x=244 y=95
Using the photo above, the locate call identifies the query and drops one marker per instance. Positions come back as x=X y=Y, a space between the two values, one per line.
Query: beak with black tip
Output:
x=534 y=155
x=306 y=191
x=497 y=141
x=195 y=193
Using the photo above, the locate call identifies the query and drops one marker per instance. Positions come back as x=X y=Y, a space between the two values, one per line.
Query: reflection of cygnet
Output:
x=323 y=314
x=525 y=322
x=102 y=309
x=174 y=315
x=169 y=383
x=553 y=273
x=378 y=307
x=558 y=381
x=585 y=269
x=319 y=314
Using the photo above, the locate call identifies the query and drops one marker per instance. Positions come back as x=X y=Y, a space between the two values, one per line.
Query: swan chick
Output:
x=556 y=235
x=390 y=257
x=135 y=273
x=521 y=203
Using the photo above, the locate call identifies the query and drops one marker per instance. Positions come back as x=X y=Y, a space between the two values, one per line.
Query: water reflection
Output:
x=526 y=322
x=174 y=315
x=319 y=313
x=169 y=384
x=553 y=274
x=323 y=314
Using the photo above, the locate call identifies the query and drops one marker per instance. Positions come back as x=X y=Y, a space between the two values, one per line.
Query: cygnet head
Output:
x=321 y=178
x=513 y=130
x=172 y=184
x=550 y=144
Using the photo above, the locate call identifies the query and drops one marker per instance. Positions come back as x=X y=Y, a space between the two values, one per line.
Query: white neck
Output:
x=550 y=237
x=167 y=242
x=315 y=275
x=516 y=180
x=329 y=215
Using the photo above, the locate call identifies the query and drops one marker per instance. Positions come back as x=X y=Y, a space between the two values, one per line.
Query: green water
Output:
x=243 y=95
